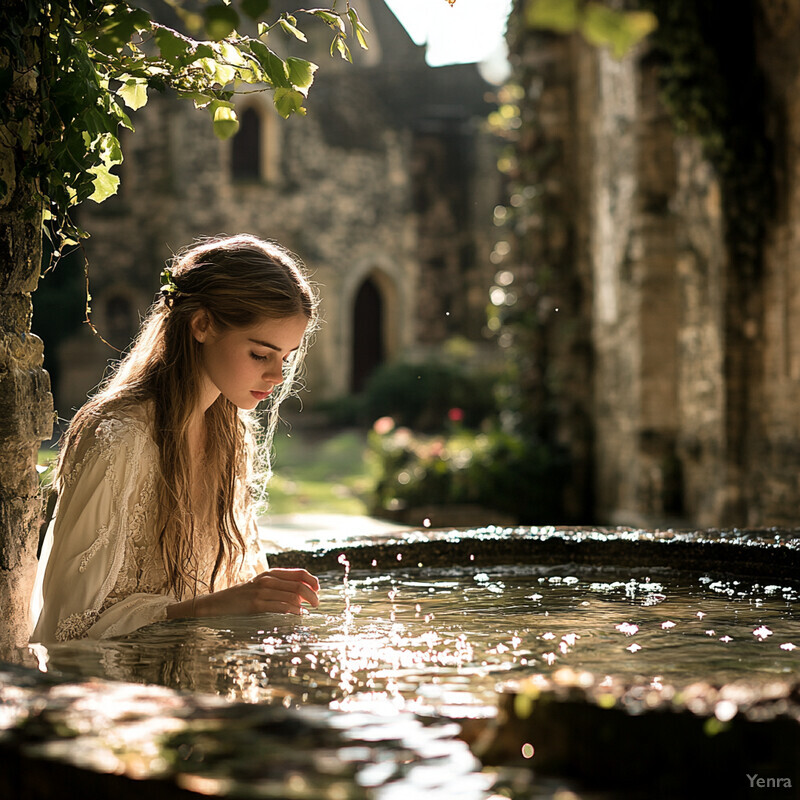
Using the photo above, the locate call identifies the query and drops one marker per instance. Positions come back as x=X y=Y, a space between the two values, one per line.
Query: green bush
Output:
x=496 y=470
x=420 y=395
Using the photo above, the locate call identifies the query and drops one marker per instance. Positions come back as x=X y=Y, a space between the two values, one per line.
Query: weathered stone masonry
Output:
x=386 y=187
x=678 y=370
x=25 y=400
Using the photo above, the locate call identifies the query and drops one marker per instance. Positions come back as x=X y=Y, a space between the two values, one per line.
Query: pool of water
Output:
x=438 y=641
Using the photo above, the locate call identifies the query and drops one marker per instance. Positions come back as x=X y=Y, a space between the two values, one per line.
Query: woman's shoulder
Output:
x=116 y=439
x=129 y=423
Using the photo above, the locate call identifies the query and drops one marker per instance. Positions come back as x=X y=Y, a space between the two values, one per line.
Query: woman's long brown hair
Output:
x=238 y=281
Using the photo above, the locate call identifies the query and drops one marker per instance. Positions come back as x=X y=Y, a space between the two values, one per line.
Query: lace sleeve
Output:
x=99 y=510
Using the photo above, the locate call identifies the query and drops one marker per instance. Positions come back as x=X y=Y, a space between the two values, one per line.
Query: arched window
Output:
x=368 y=337
x=246 y=154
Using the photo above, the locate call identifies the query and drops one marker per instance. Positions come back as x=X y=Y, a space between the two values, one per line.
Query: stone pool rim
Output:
x=768 y=553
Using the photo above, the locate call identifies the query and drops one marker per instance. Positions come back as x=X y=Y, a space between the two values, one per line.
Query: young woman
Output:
x=156 y=473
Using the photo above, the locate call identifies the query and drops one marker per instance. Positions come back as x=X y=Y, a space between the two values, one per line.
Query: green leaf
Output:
x=301 y=73
x=619 y=30
x=562 y=16
x=134 y=93
x=105 y=184
x=358 y=28
x=124 y=119
x=231 y=55
x=200 y=99
x=225 y=122
x=344 y=50
x=275 y=67
x=172 y=45
x=220 y=74
x=141 y=19
x=255 y=9
x=220 y=21
x=116 y=30
x=288 y=102
x=114 y=150
x=292 y=30
x=94 y=121
x=334 y=20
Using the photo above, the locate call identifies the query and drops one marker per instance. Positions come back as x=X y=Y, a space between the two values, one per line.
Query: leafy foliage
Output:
x=97 y=60
x=495 y=470
x=598 y=23
x=421 y=394
x=712 y=85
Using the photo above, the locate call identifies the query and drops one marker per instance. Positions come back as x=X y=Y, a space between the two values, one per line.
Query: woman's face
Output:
x=245 y=364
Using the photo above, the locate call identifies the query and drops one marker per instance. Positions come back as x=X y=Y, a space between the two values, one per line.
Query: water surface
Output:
x=440 y=640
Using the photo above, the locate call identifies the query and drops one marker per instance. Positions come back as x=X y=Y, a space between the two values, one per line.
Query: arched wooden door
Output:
x=368 y=337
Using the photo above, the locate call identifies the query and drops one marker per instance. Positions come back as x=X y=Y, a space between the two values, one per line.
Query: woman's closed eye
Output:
x=258 y=357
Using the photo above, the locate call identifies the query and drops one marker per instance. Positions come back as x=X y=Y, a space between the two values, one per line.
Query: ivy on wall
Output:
x=713 y=89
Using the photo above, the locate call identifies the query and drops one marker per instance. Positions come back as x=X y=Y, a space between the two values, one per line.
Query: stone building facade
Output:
x=385 y=190
x=669 y=365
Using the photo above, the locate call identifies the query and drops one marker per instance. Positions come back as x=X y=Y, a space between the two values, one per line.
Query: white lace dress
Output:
x=100 y=573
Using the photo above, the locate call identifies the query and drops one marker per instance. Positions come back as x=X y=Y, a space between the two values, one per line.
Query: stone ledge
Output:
x=769 y=553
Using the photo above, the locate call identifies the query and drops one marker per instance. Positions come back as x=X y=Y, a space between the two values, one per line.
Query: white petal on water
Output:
x=628 y=628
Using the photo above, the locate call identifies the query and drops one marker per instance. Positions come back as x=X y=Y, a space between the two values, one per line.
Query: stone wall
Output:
x=693 y=393
x=389 y=179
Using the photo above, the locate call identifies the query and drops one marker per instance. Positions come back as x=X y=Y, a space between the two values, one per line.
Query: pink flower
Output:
x=455 y=414
x=383 y=425
x=436 y=448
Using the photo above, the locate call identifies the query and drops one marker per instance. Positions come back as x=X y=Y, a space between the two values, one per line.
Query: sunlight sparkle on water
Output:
x=426 y=639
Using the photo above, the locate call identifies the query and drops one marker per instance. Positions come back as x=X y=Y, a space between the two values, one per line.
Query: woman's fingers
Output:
x=301 y=575
x=271 y=586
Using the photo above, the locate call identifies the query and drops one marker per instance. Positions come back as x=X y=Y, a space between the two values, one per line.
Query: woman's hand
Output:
x=281 y=591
